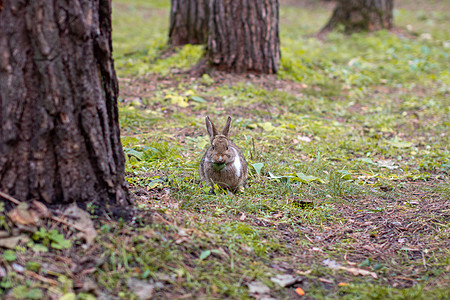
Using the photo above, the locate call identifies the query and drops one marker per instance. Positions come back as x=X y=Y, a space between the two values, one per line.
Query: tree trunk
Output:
x=244 y=36
x=59 y=131
x=188 y=22
x=359 y=15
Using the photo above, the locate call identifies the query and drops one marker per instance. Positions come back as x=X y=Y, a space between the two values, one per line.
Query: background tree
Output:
x=188 y=22
x=357 y=15
x=244 y=36
x=59 y=131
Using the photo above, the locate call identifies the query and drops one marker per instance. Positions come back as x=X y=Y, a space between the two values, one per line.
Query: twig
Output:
x=306 y=236
x=41 y=278
x=62 y=221
x=404 y=278
x=10 y=198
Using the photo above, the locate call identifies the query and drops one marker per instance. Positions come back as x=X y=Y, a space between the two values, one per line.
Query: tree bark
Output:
x=361 y=15
x=188 y=22
x=244 y=36
x=59 y=131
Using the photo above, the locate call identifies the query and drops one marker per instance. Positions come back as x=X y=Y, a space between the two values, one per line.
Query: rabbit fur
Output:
x=223 y=163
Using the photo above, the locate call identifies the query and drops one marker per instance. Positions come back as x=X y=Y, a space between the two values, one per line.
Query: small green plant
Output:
x=3 y=223
x=9 y=255
x=51 y=238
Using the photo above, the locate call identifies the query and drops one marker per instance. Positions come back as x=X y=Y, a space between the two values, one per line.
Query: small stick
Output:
x=62 y=221
x=10 y=198
x=41 y=278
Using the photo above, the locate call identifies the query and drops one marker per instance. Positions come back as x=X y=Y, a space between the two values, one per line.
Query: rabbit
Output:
x=223 y=163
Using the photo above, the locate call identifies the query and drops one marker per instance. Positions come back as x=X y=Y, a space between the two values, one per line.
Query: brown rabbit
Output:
x=223 y=163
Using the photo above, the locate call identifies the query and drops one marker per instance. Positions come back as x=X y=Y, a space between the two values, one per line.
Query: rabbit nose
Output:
x=220 y=158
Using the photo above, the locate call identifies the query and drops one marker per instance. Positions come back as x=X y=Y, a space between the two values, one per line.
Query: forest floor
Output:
x=349 y=165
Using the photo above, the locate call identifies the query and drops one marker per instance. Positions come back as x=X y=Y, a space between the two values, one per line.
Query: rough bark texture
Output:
x=244 y=36
x=188 y=22
x=59 y=132
x=359 y=15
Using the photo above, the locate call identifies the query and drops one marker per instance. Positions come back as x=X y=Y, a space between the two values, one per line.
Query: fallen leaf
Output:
x=368 y=248
x=399 y=144
x=18 y=268
x=278 y=215
x=300 y=291
x=285 y=280
x=257 y=287
x=181 y=240
x=332 y=264
x=12 y=242
x=82 y=220
x=304 y=139
x=41 y=209
x=143 y=289
x=246 y=248
x=22 y=215
x=388 y=164
x=356 y=271
x=343 y=284
x=326 y=280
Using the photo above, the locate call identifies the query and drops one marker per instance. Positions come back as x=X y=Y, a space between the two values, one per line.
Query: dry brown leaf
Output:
x=357 y=271
x=23 y=215
x=41 y=209
x=278 y=215
x=285 y=280
x=257 y=287
x=368 y=248
x=321 y=279
x=303 y=273
x=11 y=242
x=82 y=220
x=143 y=289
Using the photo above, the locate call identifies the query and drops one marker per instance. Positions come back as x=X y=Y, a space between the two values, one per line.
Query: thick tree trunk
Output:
x=359 y=15
x=59 y=132
x=188 y=22
x=244 y=36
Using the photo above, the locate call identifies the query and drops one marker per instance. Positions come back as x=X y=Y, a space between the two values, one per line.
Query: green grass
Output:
x=355 y=130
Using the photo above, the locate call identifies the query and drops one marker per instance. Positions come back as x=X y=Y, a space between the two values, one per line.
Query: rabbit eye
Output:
x=227 y=147
x=213 y=147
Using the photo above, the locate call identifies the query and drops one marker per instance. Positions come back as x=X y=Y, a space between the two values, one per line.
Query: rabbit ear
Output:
x=226 y=129
x=212 y=131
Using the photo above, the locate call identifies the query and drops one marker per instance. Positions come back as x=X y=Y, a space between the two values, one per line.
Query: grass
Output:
x=354 y=131
x=352 y=135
